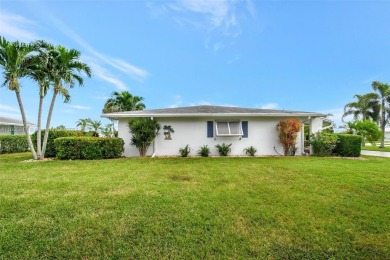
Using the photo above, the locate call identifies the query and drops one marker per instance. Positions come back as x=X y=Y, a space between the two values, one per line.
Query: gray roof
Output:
x=201 y=111
x=11 y=121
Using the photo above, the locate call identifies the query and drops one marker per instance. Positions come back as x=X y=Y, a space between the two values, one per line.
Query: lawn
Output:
x=274 y=207
x=376 y=148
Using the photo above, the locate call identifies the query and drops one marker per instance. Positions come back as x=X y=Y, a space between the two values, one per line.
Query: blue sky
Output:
x=295 y=55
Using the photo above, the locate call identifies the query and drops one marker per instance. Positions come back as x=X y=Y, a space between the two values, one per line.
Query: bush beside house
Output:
x=88 y=148
x=348 y=145
x=13 y=144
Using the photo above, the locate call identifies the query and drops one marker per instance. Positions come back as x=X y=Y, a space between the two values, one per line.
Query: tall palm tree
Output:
x=64 y=72
x=383 y=93
x=40 y=73
x=122 y=101
x=366 y=106
x=15 y=60
x=82 y=123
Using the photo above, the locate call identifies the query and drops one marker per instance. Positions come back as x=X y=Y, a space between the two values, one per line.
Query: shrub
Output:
x=224 y=149
x=13 y=144
x=144 y=131
x=348 y=145
x=88 y=148
x=54 y=134
x=204 y=151
x=369 y=130
x=323 y=144
x=184 y=152
x=250 y=151
x=288 y=132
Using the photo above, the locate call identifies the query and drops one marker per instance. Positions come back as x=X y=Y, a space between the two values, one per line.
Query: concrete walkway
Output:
x=375 y=153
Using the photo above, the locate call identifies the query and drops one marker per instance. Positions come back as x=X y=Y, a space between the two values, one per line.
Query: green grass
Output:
x=275 y=207
x=376 y=148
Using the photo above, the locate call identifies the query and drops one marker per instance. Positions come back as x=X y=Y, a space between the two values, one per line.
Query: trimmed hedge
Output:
x=348 y=145
x=54 y=134
x=13 y=144
x=88 y=148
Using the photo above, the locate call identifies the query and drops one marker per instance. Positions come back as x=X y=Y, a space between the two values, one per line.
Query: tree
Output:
x=288 y=132
x=367 y=129
x=60 y=127
x=15 y=61
x=64 y=72
x=383 y=97
x=144 y=131
x=82 y=123
x=95 y=126
x=366 y=107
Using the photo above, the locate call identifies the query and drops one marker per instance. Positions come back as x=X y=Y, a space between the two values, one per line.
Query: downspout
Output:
x=154 y=145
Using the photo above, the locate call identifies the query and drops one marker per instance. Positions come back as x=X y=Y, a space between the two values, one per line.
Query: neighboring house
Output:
x=387 y=134
x=212 y=125
x=9 y=126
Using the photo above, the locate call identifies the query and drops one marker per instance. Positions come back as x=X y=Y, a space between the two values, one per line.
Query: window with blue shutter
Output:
x=210 y=129
x=244 y=129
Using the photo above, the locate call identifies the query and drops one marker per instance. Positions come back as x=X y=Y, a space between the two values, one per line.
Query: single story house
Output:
x=212 y=125
x=9 y=126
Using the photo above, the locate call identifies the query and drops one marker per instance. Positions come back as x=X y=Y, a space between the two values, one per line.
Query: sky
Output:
x=294 y=55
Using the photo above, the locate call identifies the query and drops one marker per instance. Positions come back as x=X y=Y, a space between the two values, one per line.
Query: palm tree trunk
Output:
x=39 y=137
x=48 y=123
x=26 y=127
x=383 y=124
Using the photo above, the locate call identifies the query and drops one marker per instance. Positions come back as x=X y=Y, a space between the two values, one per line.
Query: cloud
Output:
x=9 y=108
x=16 y=26
x=104 y=75
x=129 y=69
x=80 y=107
x=178 y=100
x=10 y=115
x=337 y=115
x=269 y=106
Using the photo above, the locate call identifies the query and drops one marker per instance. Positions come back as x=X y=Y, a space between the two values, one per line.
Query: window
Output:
x=229 y=128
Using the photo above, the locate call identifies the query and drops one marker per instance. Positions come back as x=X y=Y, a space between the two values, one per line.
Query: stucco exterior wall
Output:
x=262 y=134
x=7 y=130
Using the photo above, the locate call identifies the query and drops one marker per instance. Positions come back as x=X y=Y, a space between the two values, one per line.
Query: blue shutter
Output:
x=245 y=129
x=210 y=129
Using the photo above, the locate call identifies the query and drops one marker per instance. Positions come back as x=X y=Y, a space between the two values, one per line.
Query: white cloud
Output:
x=80 y=107
x=337 y=115
x=9 y=108
x=10 y=115
x=178 y=100
x=16 y=26
x=269 y=106
x=104 y=75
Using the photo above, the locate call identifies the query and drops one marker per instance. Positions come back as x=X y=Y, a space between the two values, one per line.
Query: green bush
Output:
x=13 y=144
x=348 y=145
x=88 y=148
x=223 y=149
x=184 y=152
x=204 y=151
x=250 y=151
x=323 y=144
x=53 y=134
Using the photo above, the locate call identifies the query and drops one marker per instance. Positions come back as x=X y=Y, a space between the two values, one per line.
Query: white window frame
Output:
x=241 y=133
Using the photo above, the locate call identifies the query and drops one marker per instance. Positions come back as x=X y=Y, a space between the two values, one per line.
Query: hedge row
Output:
x=348 y=145
x=88 y=148
x=13 y=144
x=54 y=134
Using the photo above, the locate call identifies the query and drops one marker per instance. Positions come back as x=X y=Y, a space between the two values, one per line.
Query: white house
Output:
x=212 y=125
x=9 y=126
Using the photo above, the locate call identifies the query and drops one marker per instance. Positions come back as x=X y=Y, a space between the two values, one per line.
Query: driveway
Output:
x=375 y=153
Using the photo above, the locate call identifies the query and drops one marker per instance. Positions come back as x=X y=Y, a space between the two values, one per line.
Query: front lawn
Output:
x=275 y=207
x=376 y=148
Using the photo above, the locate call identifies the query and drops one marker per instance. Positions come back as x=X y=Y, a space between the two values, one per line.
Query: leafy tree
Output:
x=144 y=131
x=367 y=129
x=383 y=96
x=60 y=127
x=365 y=107
x=64 y=72
x=288 y=132
x=15 y=61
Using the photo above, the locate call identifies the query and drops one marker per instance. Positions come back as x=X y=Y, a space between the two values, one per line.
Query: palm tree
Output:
x=82 y=123
x=366 y=106
x=383 y=94
x=64 y=72
x=15 y=60
x=122 y=101
x=40 y=72
x=95 y=126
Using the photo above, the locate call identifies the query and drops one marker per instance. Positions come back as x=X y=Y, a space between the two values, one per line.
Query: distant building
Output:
x=9 y=126
x=387 y=133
